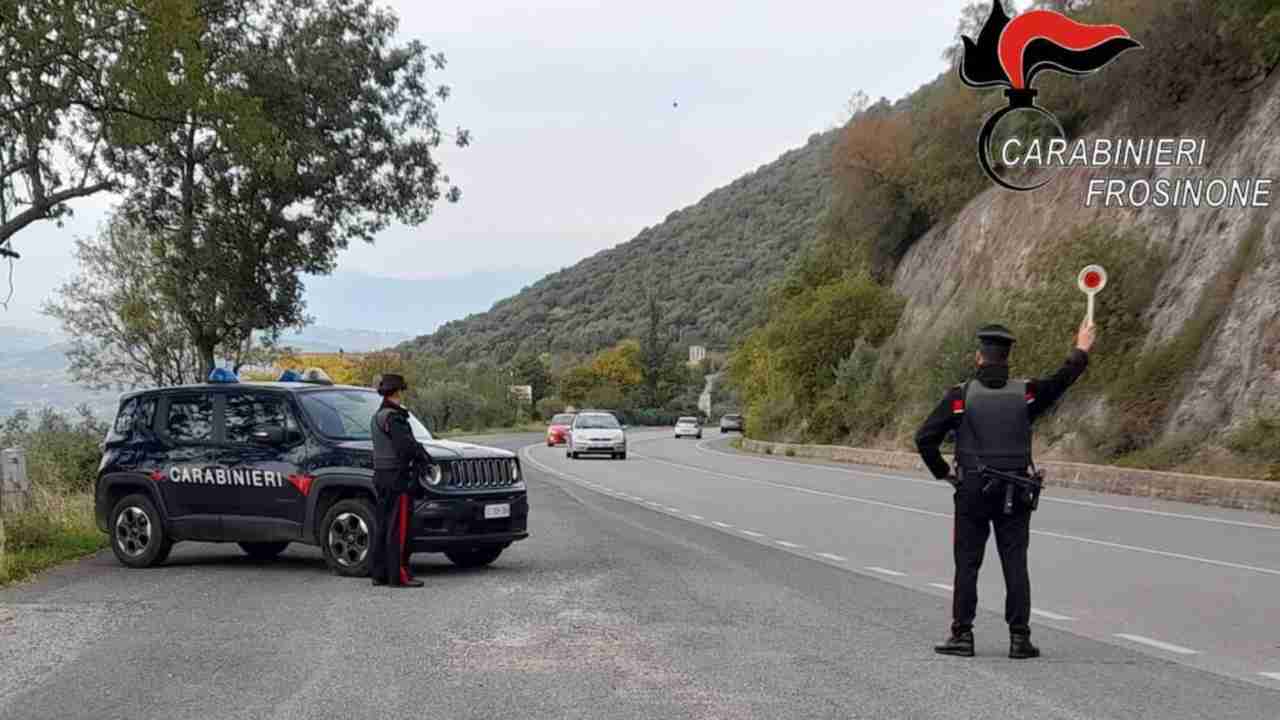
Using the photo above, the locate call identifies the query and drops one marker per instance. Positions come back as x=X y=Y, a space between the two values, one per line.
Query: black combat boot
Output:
x=1020 y=647
x=959 y=644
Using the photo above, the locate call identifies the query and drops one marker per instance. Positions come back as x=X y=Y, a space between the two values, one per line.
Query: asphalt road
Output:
x=684 y=582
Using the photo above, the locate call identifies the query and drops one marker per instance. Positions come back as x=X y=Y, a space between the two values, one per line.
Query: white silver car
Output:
x=596 y=432
x=688 y=427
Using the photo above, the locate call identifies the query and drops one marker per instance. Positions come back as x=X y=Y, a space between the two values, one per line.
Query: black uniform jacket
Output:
x=1042 y=394
x=405 y=456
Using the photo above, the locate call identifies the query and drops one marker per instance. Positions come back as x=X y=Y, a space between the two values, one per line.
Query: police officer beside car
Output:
x=991 y=416
x=398 y=459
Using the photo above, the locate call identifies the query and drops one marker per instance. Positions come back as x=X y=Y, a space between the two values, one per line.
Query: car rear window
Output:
x=562 y=419
x=136 y=416
x=687 y=421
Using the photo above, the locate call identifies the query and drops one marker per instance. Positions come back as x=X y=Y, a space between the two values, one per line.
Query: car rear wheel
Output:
x=346 y=534
x=263 y=550
x=474 y=557
x=621 y=456
x=138 y=537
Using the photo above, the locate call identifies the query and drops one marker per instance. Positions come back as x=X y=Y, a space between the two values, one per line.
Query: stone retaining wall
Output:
x=1257 y=495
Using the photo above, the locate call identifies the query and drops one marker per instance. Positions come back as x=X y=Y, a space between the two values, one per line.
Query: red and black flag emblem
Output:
x=1011 y=53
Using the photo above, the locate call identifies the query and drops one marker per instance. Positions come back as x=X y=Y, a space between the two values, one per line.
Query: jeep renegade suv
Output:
x=267 y=464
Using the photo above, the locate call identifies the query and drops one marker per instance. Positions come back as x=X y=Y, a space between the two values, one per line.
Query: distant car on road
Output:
x=558 y=429
x=688 y=427
x=596 y=432
x=268 y=464
x=731 y=422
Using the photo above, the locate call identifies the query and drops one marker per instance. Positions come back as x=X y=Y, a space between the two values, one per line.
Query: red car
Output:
x=558 y=430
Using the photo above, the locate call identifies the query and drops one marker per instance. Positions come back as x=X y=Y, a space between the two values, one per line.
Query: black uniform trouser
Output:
x=389 y=542
x=976 y=514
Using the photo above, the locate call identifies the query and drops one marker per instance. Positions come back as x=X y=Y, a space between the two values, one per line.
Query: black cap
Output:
x=995 y=335
x=390 y=383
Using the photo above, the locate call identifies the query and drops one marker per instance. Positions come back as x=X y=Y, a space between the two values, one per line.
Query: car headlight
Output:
x=432 y=477
x=515 y=470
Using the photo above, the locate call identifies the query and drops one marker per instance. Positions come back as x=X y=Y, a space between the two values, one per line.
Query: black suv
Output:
x=267 y=464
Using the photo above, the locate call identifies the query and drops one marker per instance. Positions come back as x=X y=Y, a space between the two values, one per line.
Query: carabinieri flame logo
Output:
x=1011 y=52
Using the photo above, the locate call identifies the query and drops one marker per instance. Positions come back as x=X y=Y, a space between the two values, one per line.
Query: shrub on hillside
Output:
x=62 y=450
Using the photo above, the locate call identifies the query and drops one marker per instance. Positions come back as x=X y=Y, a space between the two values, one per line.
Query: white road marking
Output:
x=671 y=509
x=752 y=533
x=830 y=556
x=791 y=545
x=719 y=524
x=696 y=517
x=1050 y=615
x=942 y=586
x=1272 y=675
x=931 y=513
x=1064 y=501
x=1168 y=647
x=885 y=571
x=652 y=503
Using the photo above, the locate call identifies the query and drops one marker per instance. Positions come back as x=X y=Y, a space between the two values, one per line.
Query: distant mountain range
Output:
x=33 y=365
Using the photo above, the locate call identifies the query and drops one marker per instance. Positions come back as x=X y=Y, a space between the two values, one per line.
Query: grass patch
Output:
x=55 y=529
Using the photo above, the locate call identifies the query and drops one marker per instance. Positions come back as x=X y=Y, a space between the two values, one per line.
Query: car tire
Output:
x=474 y=557
x=262 y=551
x=723 y=431
x=138 y=535
x=622 y=455
x=346 y=535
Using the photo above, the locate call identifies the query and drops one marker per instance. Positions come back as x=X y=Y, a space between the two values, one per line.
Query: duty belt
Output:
x=1030 y=486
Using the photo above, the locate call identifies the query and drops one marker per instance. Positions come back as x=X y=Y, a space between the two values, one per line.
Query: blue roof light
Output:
x=290 y=375
x=222 y=375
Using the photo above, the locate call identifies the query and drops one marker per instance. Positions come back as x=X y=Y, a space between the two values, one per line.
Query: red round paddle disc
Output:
x=1092 y=279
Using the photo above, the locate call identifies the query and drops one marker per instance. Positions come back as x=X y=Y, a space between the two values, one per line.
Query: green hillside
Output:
x=707 y=263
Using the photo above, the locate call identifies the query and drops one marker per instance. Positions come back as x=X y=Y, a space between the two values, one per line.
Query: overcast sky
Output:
x=577 y=143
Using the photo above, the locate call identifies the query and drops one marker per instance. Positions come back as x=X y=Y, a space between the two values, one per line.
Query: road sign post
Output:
x=1091 y=281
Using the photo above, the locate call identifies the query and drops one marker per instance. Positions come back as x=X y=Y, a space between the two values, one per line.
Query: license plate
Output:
x=497 y=511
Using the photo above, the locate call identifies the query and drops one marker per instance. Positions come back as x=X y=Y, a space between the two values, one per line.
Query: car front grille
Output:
x=480 y=474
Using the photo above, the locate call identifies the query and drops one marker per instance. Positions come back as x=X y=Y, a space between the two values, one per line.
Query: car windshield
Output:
x=345 y=414
x=687 y=421
x=563 y=419
x=596 y=422
x=732 y=417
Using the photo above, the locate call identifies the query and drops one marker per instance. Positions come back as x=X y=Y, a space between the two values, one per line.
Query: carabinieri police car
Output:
x=268 y=464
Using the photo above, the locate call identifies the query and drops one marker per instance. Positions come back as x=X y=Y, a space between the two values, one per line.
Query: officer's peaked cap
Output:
x=995 y=335
x=391 y=382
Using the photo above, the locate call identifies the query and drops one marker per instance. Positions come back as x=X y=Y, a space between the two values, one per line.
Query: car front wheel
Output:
x=346 y=534
x=138 y=537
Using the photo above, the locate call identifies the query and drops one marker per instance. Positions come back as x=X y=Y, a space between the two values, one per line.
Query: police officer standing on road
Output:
x=992 y=416
x=398 y=458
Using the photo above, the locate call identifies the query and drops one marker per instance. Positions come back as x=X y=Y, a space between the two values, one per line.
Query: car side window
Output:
x=247 y=412
x=190 y=418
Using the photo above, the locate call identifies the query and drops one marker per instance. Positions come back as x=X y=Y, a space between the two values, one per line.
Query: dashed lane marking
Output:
x=719 y=524
x=942 y=586
x=1159 y=644
x=696 y=517
x=752 y=533
x=1272 y=675
x=1062 y=501
x=885 y=571
x=931 y=513
x=791 y=545
x=1051 y=615
x=831 y=556
x=671 y=509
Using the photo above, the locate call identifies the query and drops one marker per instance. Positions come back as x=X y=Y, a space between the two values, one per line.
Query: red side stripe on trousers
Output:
x=404 y=530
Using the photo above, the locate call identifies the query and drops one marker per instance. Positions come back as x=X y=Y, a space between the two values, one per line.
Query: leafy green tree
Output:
x=69 y=71
x=120 y=337
x=303 y=126
x=531 y=370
